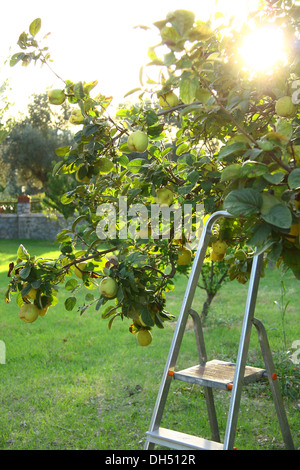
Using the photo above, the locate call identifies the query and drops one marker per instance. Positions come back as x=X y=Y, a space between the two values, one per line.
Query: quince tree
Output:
x=237 y=140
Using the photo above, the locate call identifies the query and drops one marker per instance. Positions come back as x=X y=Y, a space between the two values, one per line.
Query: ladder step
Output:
x=181 y=441
x=217 y=374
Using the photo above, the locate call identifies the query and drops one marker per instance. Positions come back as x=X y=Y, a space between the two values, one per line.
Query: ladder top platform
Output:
x=217 y=374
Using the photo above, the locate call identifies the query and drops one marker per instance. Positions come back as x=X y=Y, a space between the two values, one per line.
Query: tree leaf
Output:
x=231 y=149
x=15 y=58
x=294 y=179
x=243 y=202
x=279 y=215
x=182 y=20
x=274 y=178
x=71 y=284
x=134 y=90
x=230 y=172
x=188 y=86
x=135 y=165
x=24 y=273
x=35 y=26
x=253 y=169
x=77 y=220
x=70 y=303
x=62 y=151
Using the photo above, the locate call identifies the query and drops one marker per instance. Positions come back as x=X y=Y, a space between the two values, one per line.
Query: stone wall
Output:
x=25 y=224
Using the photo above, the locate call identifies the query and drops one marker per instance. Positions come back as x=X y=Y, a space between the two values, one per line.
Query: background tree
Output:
x=237 y=148
x=29 y=148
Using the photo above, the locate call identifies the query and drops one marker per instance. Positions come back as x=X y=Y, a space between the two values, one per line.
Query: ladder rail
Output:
x=273 y=382
x=182 y=319
x=243 y=352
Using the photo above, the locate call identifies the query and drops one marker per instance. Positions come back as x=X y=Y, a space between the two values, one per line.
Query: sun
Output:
x=263 y=49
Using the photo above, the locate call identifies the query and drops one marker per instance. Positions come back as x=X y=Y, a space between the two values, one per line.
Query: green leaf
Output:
x=294 y=179
x=182 y=148
x=285 y=128
x=25 y=272
x=70 y=303
x=259 y=235
x=182 y=20
x=57 y=167
x=253 y=169
x=243 y=202
x=231 y=172
x=65 y=199
x=231 y=149
x=134 y=90
x=188 y=86
x=123 y=160
x=274 y=178
x=22 y=253
x=15 y=58
x=71 y=284
x=35 y=26
x=135 y=165
x=76 y=221
x=146 y=315
x=62 y=151
x=279 y=216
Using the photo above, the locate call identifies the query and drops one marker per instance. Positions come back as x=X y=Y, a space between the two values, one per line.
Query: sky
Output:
x=89 y=40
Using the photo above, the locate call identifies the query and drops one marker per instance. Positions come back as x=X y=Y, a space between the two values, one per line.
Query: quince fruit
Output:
x=76 y=117
x=169 y=100
x=144 y=337
x=215 y=257
x=108 y=287
x=294 y=232
x=78 y=269
x=56 y=96
x=43 y=311
x=164 y=196
x=137 y=142
x=219 y=247
x=103 y=166
x=31 y=294
x=29 y=313
x=184 y=257
x=285 y=107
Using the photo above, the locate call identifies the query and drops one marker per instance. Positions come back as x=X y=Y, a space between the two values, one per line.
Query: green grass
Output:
x=70 y=383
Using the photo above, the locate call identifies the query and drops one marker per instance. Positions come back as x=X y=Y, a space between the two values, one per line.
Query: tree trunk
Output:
x=206 y=305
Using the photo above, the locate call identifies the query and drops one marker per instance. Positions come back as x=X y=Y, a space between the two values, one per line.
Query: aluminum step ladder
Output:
x=215 y=374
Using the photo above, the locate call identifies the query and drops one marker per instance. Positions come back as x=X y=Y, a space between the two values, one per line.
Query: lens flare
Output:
x=263 y=49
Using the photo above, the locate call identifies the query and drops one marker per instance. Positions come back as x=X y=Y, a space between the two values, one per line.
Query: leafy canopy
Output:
x=222 y=144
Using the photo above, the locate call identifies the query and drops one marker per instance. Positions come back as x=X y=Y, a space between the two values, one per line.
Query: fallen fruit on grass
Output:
x=144 y=337
x=184 y=257
x=108 y=287
x=56 y=96
x=137 y=141
x=29 y=313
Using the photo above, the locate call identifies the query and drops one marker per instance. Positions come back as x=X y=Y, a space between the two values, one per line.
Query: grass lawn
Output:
x=70 y=383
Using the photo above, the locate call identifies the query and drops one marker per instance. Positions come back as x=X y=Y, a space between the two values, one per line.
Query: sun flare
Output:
x=263 y=49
